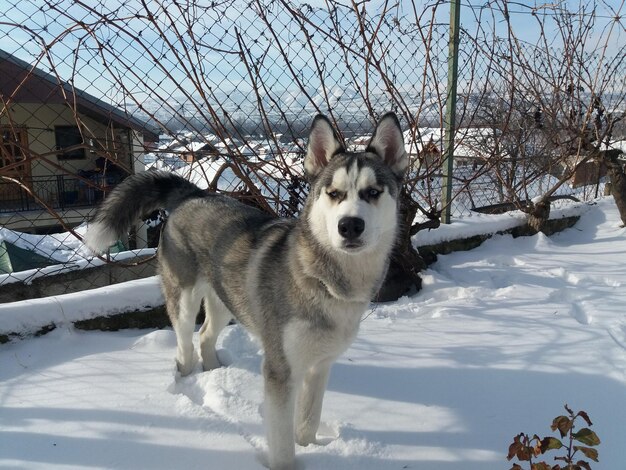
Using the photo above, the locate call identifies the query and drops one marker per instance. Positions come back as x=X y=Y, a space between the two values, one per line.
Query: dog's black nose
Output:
x=351 y=227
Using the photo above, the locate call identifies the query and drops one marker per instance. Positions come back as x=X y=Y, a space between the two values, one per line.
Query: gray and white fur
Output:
x=299 y=285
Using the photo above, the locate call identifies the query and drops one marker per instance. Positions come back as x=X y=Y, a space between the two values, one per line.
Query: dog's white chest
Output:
x=307 y=344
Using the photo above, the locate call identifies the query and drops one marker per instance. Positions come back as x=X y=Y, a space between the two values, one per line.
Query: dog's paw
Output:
x=184 y=369
x=210 y=364
x=326 y=434
x=305 y=439
x=221 y=358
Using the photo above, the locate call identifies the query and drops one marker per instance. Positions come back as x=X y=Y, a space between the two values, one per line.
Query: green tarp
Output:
x=14 y=258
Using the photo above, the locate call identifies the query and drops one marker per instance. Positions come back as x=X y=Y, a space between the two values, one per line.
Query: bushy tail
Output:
x=136 y=196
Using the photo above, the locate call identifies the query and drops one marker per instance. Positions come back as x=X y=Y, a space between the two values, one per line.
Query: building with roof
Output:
x=62 y=148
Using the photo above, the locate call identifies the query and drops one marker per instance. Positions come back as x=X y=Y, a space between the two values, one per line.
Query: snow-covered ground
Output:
x=496 y=342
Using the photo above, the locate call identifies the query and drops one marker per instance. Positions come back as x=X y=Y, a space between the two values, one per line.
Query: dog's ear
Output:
x=388 y=143
x=323 y=145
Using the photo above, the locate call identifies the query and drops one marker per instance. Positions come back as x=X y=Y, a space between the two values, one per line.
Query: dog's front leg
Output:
x=279 y=405
x=309 y=403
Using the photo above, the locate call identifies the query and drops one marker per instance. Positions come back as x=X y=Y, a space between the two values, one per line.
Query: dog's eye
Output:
x=373 y=193
x=334 y=194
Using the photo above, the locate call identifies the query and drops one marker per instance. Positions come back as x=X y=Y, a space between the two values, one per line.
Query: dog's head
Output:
x=353 y=202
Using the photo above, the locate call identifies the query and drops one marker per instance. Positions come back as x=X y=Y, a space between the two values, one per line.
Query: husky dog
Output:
x=299 y=285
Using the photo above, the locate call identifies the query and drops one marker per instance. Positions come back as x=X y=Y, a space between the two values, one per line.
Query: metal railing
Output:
x=58 y=192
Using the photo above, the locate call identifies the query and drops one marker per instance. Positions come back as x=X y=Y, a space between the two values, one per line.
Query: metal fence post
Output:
x=450 y=118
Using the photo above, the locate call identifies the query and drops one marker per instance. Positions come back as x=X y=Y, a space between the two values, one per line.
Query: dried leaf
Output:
x=516 y=467
x=586 y=436
x=589 y=452
x=585 y=416
x=583 y=464
x=524 y=453
x=536 y=448
x=515 y=447
x=563 y=424
x=540 y=466
x=550 y=443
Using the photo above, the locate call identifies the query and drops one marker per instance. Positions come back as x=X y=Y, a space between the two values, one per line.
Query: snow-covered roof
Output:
x=190 y=147
x=617 y=145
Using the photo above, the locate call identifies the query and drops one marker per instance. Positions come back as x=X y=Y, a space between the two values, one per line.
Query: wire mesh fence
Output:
x=223 y=93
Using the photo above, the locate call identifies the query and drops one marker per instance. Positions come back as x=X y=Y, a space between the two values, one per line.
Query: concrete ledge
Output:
x=133 y=304
x=155 y=318
x=551 y=227
x=78 y=280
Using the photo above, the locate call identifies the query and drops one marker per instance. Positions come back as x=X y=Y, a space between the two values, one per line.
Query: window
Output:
x=69 y=137
x=12 y=151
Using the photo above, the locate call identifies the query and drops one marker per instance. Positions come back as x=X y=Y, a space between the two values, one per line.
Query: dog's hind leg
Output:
x=217 y=317
x=184 y=324
x=309 y=402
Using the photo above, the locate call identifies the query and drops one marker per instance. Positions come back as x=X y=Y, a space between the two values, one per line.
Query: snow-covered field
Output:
x=498 y=340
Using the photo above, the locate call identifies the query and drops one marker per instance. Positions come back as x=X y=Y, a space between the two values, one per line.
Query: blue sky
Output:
x=159 y=69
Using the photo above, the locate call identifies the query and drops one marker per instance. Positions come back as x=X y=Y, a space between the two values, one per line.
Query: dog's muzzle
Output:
x=351 y=229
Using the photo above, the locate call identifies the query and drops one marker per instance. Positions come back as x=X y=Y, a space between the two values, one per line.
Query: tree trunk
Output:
x=618 y=181
x=538 y=214
x=402 y=276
